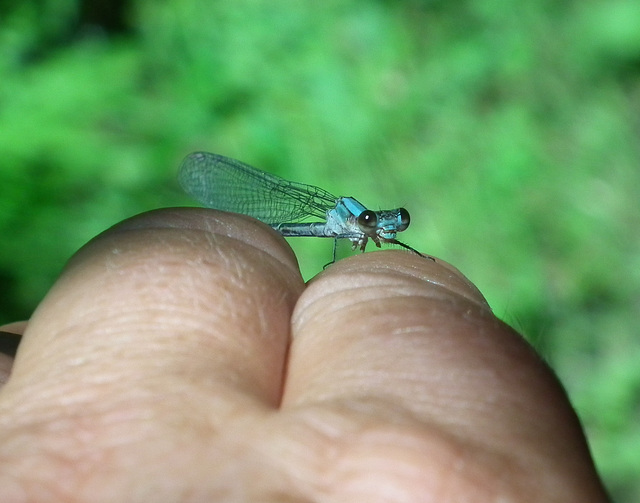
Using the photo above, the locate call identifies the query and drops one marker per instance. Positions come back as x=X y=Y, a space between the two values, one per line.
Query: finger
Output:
x=17 y=327
x=10 y=337
x=9 y=342
x=397 y=335
x=168 y=301
x=371 y=316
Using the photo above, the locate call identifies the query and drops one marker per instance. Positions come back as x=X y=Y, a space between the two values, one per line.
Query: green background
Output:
x=509 y=130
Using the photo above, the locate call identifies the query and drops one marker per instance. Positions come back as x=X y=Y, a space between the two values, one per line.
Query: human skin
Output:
x=181 y=358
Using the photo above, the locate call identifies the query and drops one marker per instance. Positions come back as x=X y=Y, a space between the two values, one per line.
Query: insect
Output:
x=229 y=185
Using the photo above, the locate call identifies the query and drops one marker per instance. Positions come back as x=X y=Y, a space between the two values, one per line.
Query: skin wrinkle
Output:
x=376 y=286
x=236 y=270
x=443 y=274
x=372 y=444
x=217 y=225
x=358 y=298
x=318 y=306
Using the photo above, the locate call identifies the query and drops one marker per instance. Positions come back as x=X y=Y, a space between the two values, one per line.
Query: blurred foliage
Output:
x=508 y=129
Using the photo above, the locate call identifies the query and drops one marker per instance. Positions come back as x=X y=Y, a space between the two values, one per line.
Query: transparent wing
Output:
x=229 y=185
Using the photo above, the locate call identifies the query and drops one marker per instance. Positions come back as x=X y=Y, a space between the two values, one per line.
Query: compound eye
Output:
x=367 y=221
x=403 y=219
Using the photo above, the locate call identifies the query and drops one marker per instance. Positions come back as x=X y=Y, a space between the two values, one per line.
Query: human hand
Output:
x=181 y=358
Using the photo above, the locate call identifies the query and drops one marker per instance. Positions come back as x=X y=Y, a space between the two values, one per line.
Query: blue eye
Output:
x=403 y=219
x=367 y=221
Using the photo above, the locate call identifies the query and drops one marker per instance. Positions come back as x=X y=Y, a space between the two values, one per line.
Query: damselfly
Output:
x=229 y=185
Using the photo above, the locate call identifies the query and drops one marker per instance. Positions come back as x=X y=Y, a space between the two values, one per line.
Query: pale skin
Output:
x=181 y=358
